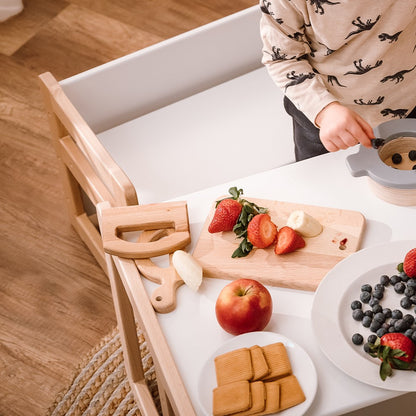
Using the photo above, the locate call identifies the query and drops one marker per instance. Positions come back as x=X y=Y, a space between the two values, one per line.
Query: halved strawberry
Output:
x=395 y=350
x=261 y=231
x=409 y=264
x=225 y=216
x=288 y=240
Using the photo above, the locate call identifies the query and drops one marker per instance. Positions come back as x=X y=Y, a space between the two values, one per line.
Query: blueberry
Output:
x=356 y=304
x=366 y=321
x=379 y=286
x=397 y=314
x=375 y=326
x=358 y=314
x=412 y=155
x=401 y=325
x=366 y=288
x=369 y=313
x=357 y=339
x=393 y=321
x=396 y=158
x=381 y=332
x=372 y=338
x=373 y=301
x=395 y=279
x=409 y=319
x=387 y=312
x=384 y=280
x=366 y=347
x=411 y=283
x=409 y=333
x=365 y=297
x=399 y=287
x=391 y=329
x=406 y=303
x=378 y=294
x=413 y=299
x=379 y=317
x=414 y=336
x=403 y=276
x=377 y=308
x=409 y=292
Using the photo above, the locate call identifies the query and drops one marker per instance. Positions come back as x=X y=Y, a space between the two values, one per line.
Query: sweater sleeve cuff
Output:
x=311 y=103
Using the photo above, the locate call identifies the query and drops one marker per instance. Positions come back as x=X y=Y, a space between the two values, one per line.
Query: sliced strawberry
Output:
x=225 y=216
x=261 y=231
x=288 y=240
x=395 y=350
x=409 y=264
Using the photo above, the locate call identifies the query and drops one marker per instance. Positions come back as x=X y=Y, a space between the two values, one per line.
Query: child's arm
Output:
x=341 y=128
x=285 y=52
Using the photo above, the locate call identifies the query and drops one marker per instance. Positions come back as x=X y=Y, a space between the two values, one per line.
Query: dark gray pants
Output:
x=306 y=135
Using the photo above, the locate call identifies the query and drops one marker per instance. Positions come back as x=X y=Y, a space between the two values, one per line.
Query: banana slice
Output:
x=187 y=268
x=304 y=223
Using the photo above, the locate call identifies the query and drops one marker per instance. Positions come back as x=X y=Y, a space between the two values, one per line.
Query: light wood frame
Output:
x=86 y=167
x=132 y=304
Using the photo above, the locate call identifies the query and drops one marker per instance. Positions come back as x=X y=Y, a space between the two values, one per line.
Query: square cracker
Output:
x=272 y=398
x=291 y=392
x=277 y=360
x=258 y=399
x=233 y=366
x=258 y=360
x=231 y=398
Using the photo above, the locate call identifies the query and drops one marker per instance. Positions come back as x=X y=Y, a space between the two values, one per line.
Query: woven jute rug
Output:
x=100 y=386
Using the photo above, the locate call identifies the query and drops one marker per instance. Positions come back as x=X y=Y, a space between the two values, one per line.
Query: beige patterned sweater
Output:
x=361 y=53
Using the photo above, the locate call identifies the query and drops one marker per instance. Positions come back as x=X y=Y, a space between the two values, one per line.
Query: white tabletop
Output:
x=192 y=331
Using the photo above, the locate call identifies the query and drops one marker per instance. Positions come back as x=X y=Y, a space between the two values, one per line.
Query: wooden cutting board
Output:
x=302 y=269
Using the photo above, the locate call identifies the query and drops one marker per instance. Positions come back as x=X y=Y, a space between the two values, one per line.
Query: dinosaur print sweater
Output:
x=361 y=53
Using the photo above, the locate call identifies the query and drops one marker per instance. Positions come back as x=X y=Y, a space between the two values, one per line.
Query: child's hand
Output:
x=341 y=128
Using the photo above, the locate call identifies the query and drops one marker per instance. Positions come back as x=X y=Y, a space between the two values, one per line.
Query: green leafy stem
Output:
x=248 y=211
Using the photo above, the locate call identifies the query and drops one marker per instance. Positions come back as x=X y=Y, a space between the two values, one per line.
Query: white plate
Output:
x=302 y=367
x=331 y=314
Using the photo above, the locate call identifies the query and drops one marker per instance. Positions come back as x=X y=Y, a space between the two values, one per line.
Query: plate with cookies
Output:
x=257 y=373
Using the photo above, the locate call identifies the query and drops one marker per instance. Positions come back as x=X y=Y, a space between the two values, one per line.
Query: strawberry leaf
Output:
x=248 y=211
x=385 y=353
x=243 y=249
x=385 y=370
x=399 y=364
x=398 y=353
x=235 y=193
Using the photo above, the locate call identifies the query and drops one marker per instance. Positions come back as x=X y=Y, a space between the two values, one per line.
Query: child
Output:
x=345 y=66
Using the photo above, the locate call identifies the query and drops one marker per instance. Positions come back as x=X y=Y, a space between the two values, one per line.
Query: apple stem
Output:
x=244 y=291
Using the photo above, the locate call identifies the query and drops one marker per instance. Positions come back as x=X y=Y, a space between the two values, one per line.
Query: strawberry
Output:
x=395 y=350
x=234 y=214
x=261 y=231
x=225 y=216
x=409 y=264
x=288 y=240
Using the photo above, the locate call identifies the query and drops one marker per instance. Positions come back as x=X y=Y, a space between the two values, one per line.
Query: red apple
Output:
x=244 y=305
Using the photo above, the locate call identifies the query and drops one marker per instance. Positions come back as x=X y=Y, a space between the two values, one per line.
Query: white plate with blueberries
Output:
x=363 y=296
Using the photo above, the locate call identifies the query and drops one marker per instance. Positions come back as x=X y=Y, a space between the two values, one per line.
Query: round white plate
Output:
x=331 y=314
x=302 y=367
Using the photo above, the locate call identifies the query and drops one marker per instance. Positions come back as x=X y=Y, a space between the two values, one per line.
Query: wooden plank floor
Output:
x=55 y=301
